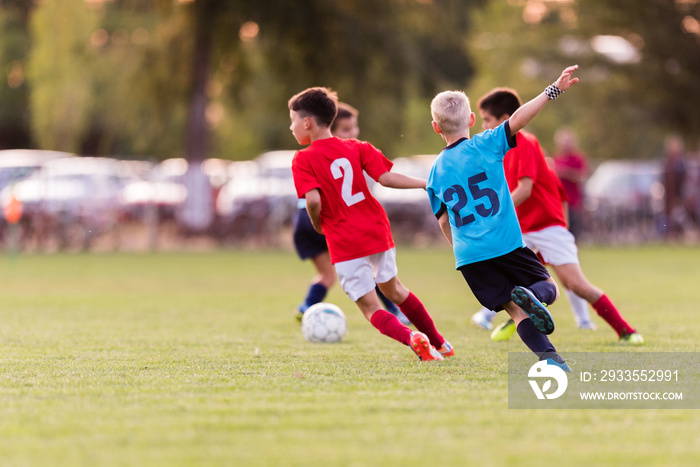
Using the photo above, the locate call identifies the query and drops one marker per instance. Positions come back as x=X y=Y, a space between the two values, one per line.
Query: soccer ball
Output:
x=324 y=322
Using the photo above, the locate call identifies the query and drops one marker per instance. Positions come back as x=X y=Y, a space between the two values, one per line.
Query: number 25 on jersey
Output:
x=477 y=193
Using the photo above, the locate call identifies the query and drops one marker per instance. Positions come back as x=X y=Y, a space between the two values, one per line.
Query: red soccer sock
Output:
x=389 y=325
x=605 y=308
x=414 y=310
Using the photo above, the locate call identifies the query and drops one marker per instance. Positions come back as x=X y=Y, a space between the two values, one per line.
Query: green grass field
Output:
x=194 y=359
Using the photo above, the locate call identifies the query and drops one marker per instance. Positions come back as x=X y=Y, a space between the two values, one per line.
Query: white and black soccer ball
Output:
x=324 y=322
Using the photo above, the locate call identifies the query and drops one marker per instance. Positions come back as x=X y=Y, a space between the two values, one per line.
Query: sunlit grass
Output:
x=195 y=359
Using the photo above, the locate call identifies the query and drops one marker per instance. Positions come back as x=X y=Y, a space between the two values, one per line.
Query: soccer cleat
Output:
x=421 y=346
x=480 y=319
x=446 y=350
x=535 y=309
x=589 y=325
x=504 y=331
x=561 y=365
x=299 y=311
x=632 y=339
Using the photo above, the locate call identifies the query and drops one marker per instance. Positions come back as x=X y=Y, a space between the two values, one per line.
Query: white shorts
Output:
x=359 y=276
x=555 y=244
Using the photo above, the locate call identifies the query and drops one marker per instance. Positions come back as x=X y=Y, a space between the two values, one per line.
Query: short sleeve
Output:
x=495 y=143
x=436 y=204
x=373 y=161
x=304 y=179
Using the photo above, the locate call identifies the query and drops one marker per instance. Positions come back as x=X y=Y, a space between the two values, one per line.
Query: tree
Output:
x=621 y=109
x=14 y=46
x=377 y=53
x=61 y=73
x=212 y=77
x=665 y=79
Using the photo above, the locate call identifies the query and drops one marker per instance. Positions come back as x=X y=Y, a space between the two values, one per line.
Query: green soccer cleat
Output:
x=504 y=331
x=299 y=311
x=632 y=339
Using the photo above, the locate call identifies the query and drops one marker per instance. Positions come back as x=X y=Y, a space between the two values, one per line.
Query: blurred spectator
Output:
x=571 y=165
x=675 y=166
x=692 y=189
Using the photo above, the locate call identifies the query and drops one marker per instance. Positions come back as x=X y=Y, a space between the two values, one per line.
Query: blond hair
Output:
x=451 y=111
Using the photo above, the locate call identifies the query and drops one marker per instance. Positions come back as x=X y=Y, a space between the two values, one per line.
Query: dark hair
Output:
x=344 y=111
x=319 y=103
x=500 y=101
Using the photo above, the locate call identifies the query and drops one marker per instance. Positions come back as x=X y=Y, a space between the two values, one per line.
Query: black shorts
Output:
x=492 y=280
x=307 y=241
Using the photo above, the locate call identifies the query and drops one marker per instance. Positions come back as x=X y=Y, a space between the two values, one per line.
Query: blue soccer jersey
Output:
x=468 y=182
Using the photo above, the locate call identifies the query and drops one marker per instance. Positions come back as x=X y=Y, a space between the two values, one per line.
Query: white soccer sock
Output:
x=488 y=314
x=579 y=307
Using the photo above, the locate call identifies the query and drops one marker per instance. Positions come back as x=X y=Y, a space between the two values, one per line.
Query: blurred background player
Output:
x=675 y=174
x=571 y=165
x=310 y=244
x=536 y=196
x=328 y=173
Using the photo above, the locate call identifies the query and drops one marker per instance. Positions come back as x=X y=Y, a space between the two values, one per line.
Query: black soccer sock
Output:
x=317 y=292
x=545 y=291
x=537 y=342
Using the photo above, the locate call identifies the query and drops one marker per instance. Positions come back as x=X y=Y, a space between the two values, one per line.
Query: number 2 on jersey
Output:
x=477 y=193
x=341 y=168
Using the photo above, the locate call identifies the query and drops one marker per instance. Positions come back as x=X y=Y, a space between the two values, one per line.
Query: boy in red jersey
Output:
x=329 y=175
x=310 y=244
x=538 y=203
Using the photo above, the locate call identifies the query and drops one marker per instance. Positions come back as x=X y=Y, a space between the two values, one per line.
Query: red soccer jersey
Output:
x=354 y=222
x=543 y=208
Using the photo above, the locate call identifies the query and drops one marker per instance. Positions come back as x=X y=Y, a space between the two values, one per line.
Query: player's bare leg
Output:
x=573 y=278
x=325 y=270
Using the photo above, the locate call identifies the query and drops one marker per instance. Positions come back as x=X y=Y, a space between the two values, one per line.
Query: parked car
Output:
x=259 y=199
x=72 y=199
x=624 y=196
x=160 y=186
x=623 y=185
x=18 y=164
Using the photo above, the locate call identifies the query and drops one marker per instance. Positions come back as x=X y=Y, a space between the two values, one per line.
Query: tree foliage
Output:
x=212 y=77
x=623 y=107
x=14 y=47
x=60 y=71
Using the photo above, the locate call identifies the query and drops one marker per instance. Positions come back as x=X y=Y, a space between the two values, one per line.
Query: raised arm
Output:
x=530 y=109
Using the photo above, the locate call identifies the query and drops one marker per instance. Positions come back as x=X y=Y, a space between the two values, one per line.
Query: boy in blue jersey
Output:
x=469 y=196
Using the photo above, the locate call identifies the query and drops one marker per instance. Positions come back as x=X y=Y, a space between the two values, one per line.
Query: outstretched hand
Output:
x=565 y=81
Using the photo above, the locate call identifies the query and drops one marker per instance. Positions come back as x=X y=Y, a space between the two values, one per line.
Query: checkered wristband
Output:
x=552 y=91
